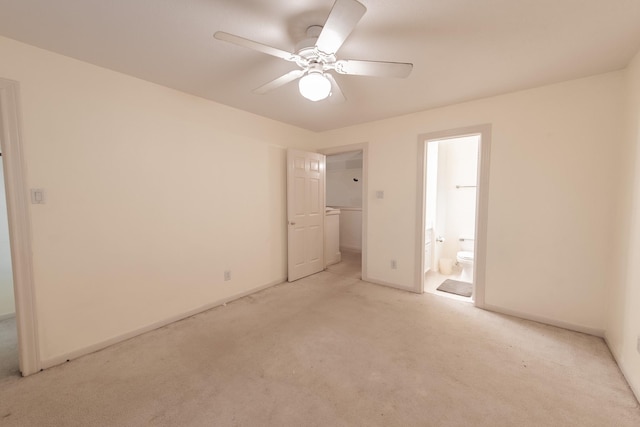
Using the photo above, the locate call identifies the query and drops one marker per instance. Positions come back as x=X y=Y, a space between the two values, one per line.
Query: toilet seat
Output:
x=465 y=260
x=465 y=256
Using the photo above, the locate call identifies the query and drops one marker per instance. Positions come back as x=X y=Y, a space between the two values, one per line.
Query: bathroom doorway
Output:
x=345 y=219
x=452 y=226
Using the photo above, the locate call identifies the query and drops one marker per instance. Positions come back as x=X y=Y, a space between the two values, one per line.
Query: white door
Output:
x=305 y=213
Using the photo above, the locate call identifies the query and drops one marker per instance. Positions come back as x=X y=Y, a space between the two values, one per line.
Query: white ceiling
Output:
x=461 y=49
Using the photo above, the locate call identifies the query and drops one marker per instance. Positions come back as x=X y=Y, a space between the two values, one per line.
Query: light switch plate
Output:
x=379 y=194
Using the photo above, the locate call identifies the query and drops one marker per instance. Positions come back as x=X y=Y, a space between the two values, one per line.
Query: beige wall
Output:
x=342 y=190
x=7 y=305
x=552 y=187
x=351 y=229
x=151 y=195
x=623 y=329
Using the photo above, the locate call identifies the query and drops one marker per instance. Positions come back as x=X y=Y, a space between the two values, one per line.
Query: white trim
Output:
x=421 y=215
x=482 y=205
x=388 y=284
x=7 y=316
x=552 y=322
x=19 y=227
x=343 y=208
x=482 y=218
x=364 y=147
x=625 y=374
x=57 y=360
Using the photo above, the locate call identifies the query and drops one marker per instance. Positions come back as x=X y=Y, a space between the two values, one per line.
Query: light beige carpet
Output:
x=331 y=350
x=350 y=265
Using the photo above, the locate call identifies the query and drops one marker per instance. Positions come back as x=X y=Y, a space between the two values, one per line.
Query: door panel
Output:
x=316 y=244
x=299 y=196
x=314 y=188
x=305 y=212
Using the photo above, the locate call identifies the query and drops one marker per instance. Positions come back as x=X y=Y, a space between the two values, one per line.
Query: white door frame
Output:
x=482 y=203
x=19 y=227
x=364 y=147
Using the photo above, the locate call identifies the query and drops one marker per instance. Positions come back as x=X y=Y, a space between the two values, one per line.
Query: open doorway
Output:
x=345 y=217
x=19 y=228
x=453 y=196
x=9 y=365
x=451 y=187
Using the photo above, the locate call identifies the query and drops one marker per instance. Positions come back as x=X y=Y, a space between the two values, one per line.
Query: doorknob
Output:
x=439 y=239
x=292 y=223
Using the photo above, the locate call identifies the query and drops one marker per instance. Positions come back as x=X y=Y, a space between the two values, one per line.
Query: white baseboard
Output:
x=560 y=324
x=388 y=284
x=635 y=392
x=57 y=360
x=6 y=316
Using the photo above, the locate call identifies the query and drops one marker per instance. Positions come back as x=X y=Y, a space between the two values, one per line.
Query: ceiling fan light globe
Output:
x=314 y=86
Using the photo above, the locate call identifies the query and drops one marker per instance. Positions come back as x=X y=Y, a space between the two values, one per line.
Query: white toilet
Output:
x=465 y=259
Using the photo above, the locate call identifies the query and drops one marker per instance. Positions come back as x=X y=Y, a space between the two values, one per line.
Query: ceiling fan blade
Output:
x=373 y=68
x=336 y=95
x=241 y=41
x=280 y=81
x=342 y=19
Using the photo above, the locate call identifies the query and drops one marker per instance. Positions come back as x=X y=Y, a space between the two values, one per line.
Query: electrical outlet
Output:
x=394 y=264
x=227 y=275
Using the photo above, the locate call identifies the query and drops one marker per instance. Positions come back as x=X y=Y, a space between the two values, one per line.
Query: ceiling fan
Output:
x=316 y=56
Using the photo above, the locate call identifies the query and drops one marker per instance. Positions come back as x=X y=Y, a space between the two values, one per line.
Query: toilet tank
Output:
x=466 y=243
